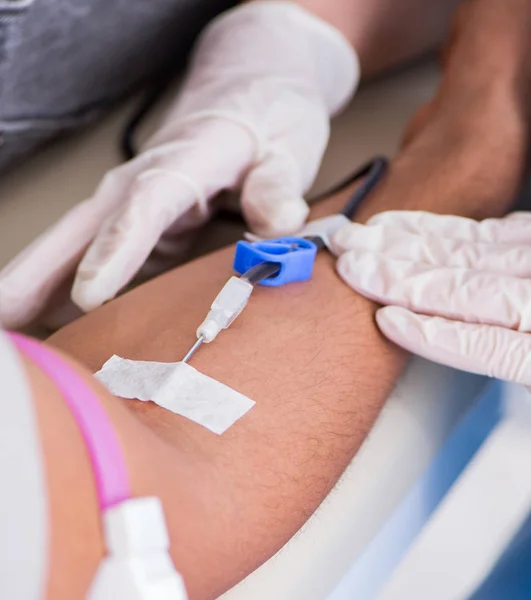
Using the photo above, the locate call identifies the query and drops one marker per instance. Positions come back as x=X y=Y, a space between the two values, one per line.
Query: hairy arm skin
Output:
x=319 y=371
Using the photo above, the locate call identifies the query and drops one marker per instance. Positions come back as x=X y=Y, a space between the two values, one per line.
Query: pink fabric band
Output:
x=106 y=455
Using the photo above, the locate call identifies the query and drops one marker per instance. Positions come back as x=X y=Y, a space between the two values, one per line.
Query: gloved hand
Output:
x=253 y=115
x=459 y=290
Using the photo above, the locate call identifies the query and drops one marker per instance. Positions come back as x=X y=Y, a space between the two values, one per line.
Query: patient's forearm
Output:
x=312 y=359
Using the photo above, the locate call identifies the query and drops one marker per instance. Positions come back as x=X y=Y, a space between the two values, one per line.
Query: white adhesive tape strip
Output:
x=178 y=387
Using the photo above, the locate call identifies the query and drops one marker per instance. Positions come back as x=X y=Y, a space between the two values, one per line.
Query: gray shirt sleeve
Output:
x=64 y=62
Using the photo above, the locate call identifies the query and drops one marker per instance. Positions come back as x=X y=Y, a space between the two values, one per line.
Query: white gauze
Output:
x=178 y=387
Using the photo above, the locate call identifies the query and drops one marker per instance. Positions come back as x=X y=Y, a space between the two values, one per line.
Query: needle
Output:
x=193 y=349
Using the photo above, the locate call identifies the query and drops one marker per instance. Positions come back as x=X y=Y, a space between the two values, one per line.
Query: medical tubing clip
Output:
x=295 y=257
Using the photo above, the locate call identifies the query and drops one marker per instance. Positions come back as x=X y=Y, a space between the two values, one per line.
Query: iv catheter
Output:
x=282 y=260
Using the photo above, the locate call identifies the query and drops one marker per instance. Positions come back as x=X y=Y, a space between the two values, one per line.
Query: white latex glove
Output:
x=253 y=115
x=459 y=290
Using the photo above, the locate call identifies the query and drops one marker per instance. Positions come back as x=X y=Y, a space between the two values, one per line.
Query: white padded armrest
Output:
x=427 y=402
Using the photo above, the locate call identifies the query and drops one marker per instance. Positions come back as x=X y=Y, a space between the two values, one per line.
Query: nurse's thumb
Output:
x=272 y=196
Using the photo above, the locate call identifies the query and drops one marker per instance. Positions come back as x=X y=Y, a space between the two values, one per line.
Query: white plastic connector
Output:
x=323 y=228
x=138 y=565
x=228 y=304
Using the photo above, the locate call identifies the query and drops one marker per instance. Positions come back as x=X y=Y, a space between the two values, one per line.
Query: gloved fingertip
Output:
x=282 y=217
x=346 y=270
x=354 y=268
x=519 y=215
x=392 y=217
x=378 y=218
x=113 y=258
x=393 y=316
x=88 y=293
x=343 y=239
x=401 y=326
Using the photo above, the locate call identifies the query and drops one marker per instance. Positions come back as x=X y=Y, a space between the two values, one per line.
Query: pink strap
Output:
x=104 y=449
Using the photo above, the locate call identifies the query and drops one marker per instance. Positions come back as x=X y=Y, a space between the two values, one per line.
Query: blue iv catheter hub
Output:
x=295 y=257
